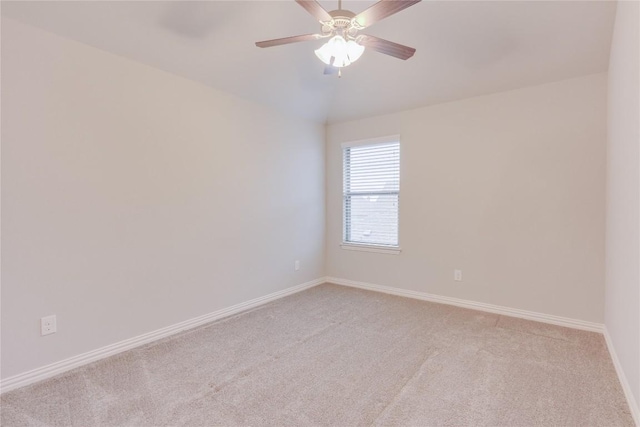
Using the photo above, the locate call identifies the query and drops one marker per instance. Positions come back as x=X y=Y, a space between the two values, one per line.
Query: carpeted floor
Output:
x=336 y=356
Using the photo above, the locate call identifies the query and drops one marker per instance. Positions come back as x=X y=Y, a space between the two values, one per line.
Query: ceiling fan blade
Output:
x=287 y=40
x=385 y=46
x=381 y=10
x=315 y=9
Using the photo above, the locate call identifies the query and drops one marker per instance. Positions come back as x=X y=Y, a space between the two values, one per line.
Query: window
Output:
x=371 y=192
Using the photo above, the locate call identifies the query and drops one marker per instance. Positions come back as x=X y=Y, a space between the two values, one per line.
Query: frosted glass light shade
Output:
x=354 y=50
x=339 y=52
x=324 y=53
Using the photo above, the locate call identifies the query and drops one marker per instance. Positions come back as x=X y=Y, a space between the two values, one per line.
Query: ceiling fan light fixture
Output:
x=339 y=52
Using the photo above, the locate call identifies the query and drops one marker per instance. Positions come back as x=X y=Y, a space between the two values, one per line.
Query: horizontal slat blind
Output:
x=371 y=193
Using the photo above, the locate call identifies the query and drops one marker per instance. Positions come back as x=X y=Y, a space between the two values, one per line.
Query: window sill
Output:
x=371 y=248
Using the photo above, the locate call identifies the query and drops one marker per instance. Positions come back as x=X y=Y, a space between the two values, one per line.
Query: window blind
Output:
x=371 y=193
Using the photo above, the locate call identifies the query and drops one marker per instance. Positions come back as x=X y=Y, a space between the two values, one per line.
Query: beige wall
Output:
x=507 y=187
x=133 y=199
x=622 y=298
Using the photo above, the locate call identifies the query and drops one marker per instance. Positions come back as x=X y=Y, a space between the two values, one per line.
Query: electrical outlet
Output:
x=48 y=325
x=296 y=265
x=457 y=275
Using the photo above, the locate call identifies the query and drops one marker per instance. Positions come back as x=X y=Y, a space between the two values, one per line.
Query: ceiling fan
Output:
x=342 y=28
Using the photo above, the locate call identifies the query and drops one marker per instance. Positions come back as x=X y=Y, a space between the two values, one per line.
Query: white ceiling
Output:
x=464 y=48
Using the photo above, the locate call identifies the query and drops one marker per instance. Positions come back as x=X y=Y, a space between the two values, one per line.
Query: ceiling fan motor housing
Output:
x=342 y=24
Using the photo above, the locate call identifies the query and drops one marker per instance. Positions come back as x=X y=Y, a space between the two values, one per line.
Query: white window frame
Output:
x=354 y=246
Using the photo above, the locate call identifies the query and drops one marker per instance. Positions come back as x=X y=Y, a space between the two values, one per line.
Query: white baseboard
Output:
x=56 y=368
x=633 y=405
x=506 y=311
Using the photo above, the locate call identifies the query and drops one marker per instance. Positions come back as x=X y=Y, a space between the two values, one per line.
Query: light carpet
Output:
x=336 y=356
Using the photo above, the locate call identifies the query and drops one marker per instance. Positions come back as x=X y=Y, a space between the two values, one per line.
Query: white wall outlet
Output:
x=296 y=265
x=48 y=325
x=457 y=275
